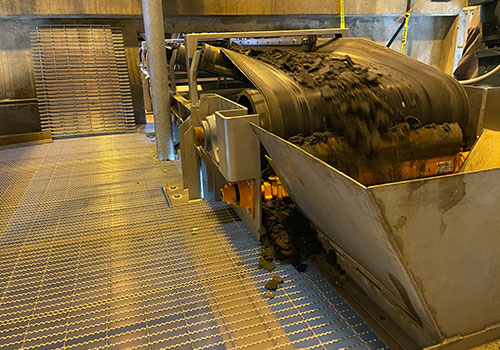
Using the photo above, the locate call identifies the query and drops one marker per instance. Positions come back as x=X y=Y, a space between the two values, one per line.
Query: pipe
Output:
x=171 y=67
x=395 y=34
x=157 y=62
x=193 y=83
x=480 y=79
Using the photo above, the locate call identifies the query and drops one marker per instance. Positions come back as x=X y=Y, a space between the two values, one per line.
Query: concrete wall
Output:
x=16 y=80
x=285 y=7
x=220 y=7
x=398 y=7
x=425 y=39
x=70 y=7
x=19 y=116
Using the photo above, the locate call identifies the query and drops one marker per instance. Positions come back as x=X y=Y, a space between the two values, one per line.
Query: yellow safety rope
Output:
x=405 y=32
x=342 y=16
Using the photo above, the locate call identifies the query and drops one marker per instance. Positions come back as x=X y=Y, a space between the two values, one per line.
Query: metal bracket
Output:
x=193 y=83
x=171 y=70
x=191 y=40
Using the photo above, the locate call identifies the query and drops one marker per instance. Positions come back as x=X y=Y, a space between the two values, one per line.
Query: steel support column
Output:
x=157 y=63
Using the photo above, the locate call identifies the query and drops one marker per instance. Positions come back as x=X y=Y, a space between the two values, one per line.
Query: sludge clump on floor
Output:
x=286 y=235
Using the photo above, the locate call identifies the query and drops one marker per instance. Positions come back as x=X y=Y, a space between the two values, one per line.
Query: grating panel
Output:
x=81 y=78
x=92 y=258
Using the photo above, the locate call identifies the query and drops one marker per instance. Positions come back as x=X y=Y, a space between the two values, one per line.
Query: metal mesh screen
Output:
x=81 y=79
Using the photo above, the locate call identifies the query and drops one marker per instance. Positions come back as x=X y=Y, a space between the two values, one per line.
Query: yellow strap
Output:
x=405 y=32
x=342 y=16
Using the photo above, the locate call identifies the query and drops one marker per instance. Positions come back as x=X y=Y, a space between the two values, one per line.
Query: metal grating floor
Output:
x=93 y=258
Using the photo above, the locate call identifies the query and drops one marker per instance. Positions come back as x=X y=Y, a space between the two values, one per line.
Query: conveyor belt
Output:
x=351 y=86
x=92 y=257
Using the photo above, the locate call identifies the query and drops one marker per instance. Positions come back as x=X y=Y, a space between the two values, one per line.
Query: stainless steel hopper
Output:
x=427 y=250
